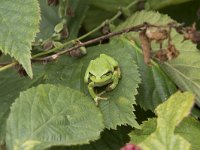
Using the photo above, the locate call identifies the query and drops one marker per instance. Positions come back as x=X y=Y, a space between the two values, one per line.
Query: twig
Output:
x=8 y=66
x=98 y=39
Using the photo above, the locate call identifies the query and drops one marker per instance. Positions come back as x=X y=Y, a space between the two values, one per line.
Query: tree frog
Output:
x=102 y=71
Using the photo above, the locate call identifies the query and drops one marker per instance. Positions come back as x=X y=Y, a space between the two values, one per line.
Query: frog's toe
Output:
x=96 y=99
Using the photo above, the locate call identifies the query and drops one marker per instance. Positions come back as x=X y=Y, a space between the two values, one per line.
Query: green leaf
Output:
x=19 y=25
x=50 y=115
x=184 y=71
x=110 y=140
x=118 y=109
x=170 y=114
x=189 y=129
x=11 y=84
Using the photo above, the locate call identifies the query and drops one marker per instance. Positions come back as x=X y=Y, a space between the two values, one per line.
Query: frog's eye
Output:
x=108 y=73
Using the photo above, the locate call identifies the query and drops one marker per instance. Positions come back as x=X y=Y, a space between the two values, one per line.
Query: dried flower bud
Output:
x=157 y=33
x=78 y=52
x=190 y=33
x=172 y=52
x=167 y=54
x=47 y=45
x=161 y=55
x=146 y=47
x=106 y=29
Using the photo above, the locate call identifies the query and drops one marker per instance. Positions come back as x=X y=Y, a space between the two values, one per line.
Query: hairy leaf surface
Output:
x=52 y=115
x=19 y=25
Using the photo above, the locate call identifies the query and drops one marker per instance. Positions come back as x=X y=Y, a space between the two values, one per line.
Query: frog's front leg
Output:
x=116 y=76
x=96 y=98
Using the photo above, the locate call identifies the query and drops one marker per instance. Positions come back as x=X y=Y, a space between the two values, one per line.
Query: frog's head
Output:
x=100 y=69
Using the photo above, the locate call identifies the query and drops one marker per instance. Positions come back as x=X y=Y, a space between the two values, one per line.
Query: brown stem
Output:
x=98 y=39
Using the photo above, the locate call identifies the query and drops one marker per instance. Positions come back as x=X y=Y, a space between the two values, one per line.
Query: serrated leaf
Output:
x=19 y=25
x=118 y=109
x=184 y=70
x=11 y=84
x=50 y=115
x=170 y=114
x=189 y=129
x=110 y=140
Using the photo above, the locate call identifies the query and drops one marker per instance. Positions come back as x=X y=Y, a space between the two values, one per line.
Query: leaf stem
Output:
x=8 y=66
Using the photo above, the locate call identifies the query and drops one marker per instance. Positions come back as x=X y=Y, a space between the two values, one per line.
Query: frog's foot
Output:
x=97 y=98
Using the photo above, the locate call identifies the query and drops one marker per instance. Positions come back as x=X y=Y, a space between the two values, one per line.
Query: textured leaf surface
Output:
x=11 y=84
x=170 y=114
x=118 y=109
x=189 y=129
x=110 y=140
x=52 y=115
x=184 y=70
x=19 y=25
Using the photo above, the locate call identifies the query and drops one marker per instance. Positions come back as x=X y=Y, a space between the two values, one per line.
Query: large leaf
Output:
x=189 y=128
x=19 y=25
x=184 y=70
x=52 y=115
x=11 y=84
x=170 y=114
x=118 y=109
x=110 y=140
